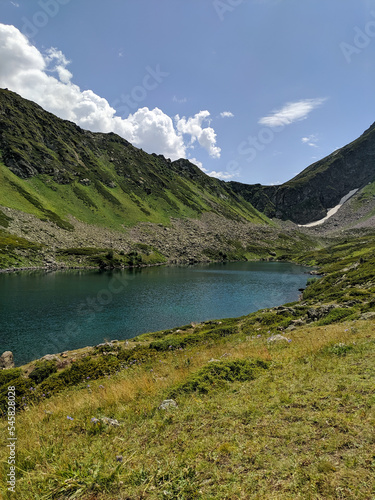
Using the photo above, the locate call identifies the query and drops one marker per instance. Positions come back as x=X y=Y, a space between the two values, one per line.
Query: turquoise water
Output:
x=49 y=312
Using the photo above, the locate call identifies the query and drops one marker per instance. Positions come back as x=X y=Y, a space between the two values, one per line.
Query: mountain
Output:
x=73 y=197
x=54 y=169
x=320 y=187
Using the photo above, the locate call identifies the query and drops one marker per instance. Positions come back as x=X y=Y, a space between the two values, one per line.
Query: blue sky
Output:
x=252 y=90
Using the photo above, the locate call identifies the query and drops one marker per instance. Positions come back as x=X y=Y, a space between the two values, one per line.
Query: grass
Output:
x=302 y=428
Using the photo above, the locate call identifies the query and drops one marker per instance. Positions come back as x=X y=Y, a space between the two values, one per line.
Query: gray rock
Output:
x=6 y=360
x=168 y=403
x=85 y=182
x=50 y=357
x=105 y=344
x=368 y=315
x=314 y=314
x=110 y=421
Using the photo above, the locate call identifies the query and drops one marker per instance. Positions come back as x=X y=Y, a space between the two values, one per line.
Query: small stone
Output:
x=110 y=421
x=168 y=403
x=368 y=315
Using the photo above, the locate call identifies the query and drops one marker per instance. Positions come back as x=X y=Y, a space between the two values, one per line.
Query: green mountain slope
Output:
x=53 y=169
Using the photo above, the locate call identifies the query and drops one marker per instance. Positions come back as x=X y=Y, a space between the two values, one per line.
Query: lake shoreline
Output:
x=140 y=266
x=90 y=304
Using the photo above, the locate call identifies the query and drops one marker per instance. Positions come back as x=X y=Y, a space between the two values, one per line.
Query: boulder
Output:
x=315 y=314
x=6 y=360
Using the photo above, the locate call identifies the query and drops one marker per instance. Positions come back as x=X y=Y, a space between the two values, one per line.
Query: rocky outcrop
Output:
x=6 y=360
x=320 y=187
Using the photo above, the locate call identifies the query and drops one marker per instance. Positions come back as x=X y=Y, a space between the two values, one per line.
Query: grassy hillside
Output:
x=53 y=169
x=255 y=417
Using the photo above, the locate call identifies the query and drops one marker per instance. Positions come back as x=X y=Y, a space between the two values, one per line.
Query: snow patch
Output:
x=332 y=211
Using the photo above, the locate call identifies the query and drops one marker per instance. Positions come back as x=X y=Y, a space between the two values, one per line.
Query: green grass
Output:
x=17 y=252
x=299 y=426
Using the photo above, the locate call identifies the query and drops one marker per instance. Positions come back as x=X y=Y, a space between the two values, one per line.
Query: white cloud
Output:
x=226 y=114
x=291 y=112
x=54 y=55
x=198 y=163
x=219 y=175
x=46 y=80
x=206 y=137
x=311 y=140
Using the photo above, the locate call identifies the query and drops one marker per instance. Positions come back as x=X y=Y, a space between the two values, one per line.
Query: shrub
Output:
x=23 y=391
x=42 y=370
x=92 y=368
x=181 y=341
x=217 y=374
x=338 y=349
x=7 y=375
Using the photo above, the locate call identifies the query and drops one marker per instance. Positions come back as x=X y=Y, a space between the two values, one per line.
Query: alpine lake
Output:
x=46 y=312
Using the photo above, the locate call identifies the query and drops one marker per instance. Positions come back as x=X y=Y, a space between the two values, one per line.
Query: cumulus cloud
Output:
x=205 y=136
x=226 y=114
x=45 y=79
x=56 y=56
x=291 y=112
